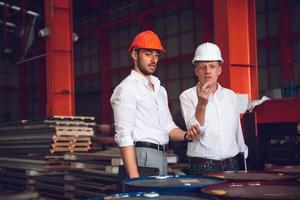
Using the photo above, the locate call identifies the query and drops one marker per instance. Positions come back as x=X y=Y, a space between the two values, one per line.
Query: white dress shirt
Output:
x=141 y=114
x=221 y=135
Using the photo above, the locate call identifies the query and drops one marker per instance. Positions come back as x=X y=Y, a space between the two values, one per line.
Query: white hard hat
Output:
x=207 y=52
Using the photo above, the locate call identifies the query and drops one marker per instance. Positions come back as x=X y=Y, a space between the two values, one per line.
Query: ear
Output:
x=196 y=71
x=134 y=55
x=219 y=70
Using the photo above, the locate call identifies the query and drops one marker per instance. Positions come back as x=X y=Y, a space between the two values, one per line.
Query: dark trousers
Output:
x=198 y=166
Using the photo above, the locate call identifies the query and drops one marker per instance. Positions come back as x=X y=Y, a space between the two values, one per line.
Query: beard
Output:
x=145 y=70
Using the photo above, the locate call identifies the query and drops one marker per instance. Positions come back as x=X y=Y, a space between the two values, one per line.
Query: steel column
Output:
x=235 y=33
x=59 y=59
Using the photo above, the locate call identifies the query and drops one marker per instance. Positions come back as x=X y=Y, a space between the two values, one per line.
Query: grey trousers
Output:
x=148 y=157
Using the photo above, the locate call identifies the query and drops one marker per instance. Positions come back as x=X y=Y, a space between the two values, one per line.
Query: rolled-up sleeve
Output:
x=243 y=148
x=188 y=112
x=240 y=139
x=123 y=103
x=170 y=124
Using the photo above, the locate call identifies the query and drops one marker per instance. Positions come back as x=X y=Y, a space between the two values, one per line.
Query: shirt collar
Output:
x=219 y=92
x=142 y=79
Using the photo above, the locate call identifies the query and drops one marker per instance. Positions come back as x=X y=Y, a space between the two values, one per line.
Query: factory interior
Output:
x=61 y=60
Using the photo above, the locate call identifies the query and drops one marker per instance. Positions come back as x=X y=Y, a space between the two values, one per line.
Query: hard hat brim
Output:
x=136 y=48
x=219 y=61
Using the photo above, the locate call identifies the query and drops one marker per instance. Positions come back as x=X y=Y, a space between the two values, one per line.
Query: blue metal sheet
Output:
x=158 y=196
x=169 y=184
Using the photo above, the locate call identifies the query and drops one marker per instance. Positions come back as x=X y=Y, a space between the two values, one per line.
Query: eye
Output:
x=201 y=67
x=148 y=53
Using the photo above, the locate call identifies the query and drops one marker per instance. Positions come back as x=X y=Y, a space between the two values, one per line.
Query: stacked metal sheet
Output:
x=55 y=134
x=95 y=174
x=32 y=154
x=20 y=196
x=17 y=177
x=18 y=173
x=85 y=183
x=51 y=185
x=88 y=175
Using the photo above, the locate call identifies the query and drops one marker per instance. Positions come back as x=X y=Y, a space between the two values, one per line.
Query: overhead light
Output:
x=75 y=37
x=8 y=51
x=44 y=32
x=8 y=24
x=29 y=12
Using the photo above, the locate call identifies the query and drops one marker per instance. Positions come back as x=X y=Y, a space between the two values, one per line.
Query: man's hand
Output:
x=203 y=92
x=193 y=133
x=129 y=159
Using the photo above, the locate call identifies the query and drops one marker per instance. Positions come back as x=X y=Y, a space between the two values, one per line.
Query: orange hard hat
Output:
x=146 y=40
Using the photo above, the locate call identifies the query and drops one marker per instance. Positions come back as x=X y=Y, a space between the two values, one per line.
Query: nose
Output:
x=207 y=70
x=154 y=57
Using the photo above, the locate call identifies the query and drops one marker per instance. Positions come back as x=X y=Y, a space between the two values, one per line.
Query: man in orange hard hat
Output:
x=214 y=109
x=142 y=118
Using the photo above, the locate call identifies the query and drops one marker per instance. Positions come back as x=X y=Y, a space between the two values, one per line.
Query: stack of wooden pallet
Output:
x=55 y=134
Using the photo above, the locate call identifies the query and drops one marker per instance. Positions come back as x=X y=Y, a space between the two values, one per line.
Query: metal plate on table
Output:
x=254 y=190
x=251 y=176
x=288 y=169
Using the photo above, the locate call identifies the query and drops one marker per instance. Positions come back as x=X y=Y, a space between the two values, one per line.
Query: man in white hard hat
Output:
x=214 y=109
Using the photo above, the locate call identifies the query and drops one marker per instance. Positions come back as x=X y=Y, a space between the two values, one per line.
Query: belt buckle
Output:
x=163 y=147
x=224 y=162
x=216 y=162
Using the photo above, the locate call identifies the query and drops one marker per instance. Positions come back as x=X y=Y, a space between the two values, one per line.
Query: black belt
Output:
x=198 y=160
x=150 y=145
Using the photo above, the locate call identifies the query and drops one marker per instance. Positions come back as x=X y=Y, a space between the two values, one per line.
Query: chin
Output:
x=151 y=72
x=148 y=73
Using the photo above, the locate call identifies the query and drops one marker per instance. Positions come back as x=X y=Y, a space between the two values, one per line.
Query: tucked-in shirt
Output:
x=140 y=113
x=221 y=135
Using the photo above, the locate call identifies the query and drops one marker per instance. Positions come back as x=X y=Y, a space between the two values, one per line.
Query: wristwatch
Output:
x=185 y=139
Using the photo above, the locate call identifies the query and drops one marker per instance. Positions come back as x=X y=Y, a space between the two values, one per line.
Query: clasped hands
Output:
x=193 y=133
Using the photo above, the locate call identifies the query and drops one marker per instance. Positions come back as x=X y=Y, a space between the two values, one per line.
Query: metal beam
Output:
x=235 y=33
x=59 y=59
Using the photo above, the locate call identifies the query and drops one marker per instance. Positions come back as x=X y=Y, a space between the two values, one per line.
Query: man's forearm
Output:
x=177 y=134
x=200 y=114
x=129 y=160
